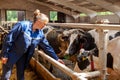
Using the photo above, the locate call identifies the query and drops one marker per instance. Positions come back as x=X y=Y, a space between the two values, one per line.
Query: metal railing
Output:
x=74 y=75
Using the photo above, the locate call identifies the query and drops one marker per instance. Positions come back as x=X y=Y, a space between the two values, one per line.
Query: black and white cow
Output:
x=79 y=39
x=113 y=48
x=114 y=55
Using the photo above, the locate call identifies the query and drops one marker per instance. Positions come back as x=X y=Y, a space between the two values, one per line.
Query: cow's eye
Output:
x=83 y=40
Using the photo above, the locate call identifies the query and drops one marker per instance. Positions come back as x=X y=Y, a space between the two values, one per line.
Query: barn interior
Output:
x=61 y=11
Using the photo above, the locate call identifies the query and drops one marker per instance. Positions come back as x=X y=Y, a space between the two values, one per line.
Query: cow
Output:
x=80 y=39
x=56 y=40
x=113 y=49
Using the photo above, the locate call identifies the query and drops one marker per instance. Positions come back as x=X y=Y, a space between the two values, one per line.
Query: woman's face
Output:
x=39 y=24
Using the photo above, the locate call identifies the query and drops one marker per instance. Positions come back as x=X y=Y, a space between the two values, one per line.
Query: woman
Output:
x=20 y=43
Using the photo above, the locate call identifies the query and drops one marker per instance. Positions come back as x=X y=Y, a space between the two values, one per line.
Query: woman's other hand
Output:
x=4 y=60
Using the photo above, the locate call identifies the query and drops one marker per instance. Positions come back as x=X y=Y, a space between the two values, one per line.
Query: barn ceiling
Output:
x=75 y=7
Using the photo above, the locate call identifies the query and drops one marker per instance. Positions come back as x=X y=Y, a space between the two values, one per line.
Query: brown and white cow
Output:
x=56 y=40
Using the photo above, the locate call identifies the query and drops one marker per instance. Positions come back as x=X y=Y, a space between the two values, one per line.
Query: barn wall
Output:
x=112 y=18
x=85 y=19
x=61 y=17
x=69 y=19
x=29 y=7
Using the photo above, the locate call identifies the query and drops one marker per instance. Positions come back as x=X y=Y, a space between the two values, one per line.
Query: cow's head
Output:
x=89 y=43
x=80 y=40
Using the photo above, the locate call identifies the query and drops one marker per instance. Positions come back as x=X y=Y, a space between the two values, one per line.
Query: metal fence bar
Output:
x=71 y=73
x=87 y=26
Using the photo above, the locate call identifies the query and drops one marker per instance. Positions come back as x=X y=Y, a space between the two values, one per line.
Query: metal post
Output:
x=105 y=54
x=102 y=52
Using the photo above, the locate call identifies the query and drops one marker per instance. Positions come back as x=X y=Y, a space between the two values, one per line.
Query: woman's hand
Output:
x=61 y=61
x=4 y=60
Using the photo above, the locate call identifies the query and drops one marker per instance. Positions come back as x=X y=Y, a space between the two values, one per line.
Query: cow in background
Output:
x=114 y=53
x=113 y=50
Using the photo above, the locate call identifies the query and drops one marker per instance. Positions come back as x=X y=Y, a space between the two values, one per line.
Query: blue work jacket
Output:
x=22 y=40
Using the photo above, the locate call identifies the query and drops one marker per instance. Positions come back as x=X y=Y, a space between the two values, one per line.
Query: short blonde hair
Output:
x=40 y=16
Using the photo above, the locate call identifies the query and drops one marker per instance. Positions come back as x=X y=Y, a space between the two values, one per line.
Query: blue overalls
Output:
x=19 y=46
